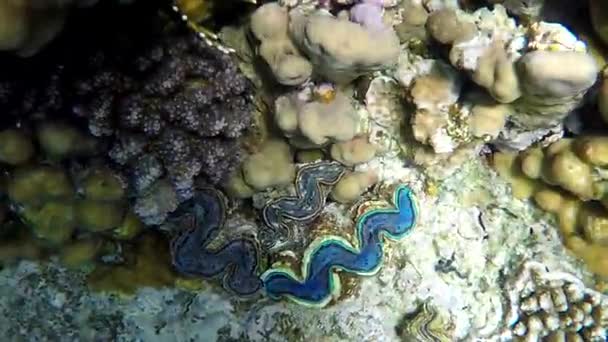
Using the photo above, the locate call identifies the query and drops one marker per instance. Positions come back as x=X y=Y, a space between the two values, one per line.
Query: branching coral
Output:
x=193 y=99
x=555 y=306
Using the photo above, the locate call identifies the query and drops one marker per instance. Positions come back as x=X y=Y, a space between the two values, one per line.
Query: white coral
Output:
x=550 y=303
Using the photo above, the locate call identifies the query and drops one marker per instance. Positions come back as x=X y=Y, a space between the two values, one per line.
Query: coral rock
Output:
x=271 y=166
x=341 y=50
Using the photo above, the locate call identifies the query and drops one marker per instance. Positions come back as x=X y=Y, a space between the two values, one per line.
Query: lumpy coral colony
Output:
x=169 y=135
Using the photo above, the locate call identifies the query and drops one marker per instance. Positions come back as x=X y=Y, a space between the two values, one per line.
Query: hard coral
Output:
x=341 y=50
x=553 y=306
x=567 y=179
x=269 y=25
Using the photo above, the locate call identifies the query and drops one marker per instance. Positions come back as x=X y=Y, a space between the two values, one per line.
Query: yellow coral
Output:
x=131 y=227
x=59 y=140
x=151 y=268
x=37 y=184
x=79 y=253
x=102 y=184
x=54 y=222
x=15 y=147
x=506 y=164
x=98 y=216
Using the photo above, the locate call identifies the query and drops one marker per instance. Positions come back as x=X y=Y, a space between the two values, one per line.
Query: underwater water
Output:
x=303 y=170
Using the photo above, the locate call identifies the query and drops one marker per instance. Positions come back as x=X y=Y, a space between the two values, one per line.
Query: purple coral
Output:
x=169 y=107
x=369 y=14
x=187 y=102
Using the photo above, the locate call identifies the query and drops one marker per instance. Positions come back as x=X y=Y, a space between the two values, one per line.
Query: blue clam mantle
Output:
x=235 y=262
x=305 y=206
x=319 y=281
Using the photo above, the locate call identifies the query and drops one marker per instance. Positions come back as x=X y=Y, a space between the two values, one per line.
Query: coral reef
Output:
x=170 y=107
x=235 y=261
x=351 y=50
x=314 y=120
x=566 y=179
x=448 y=258
x=282 y=213
x=318 y=283
x=348 y=102
x=554 y=305
x=269 y=24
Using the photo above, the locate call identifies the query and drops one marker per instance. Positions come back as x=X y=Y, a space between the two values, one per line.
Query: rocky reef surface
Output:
x=465 y=246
